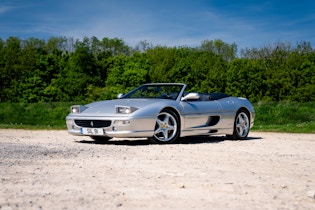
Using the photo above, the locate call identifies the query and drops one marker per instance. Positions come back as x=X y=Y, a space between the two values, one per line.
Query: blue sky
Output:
x=163 y=22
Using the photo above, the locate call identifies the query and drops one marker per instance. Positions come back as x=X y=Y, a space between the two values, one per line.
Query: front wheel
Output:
x=167 y=128
x=241 y=125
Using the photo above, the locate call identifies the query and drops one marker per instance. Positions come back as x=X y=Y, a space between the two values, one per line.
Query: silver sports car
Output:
x=163 y=112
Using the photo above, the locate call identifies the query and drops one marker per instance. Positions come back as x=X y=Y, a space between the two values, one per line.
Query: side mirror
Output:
x=120 y=95
x=191 y=96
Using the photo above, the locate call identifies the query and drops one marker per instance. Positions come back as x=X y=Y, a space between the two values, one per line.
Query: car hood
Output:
x=108 y=107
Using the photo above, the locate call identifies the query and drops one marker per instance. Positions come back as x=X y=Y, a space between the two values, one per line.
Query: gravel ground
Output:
x=54 y=170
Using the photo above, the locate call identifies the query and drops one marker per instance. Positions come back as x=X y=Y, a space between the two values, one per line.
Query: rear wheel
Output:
x=241 y=125
x=167 y=128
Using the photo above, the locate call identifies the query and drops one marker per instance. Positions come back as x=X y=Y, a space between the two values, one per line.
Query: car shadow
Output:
x=184 y=140
x=133 y=142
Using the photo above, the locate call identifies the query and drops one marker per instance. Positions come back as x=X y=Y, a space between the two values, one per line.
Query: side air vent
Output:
x=213 y=120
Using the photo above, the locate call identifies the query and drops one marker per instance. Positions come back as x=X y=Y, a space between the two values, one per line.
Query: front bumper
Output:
x=122 y=127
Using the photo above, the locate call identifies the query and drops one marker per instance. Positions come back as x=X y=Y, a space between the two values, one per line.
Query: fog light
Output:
x=70 y=124
x=121 y=122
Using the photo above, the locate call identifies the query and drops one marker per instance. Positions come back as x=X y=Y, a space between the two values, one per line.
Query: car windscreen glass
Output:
x=168 y=91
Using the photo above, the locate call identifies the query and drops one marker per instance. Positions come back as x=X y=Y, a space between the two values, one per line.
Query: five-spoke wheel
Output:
x=241 y=125
x=167 y=127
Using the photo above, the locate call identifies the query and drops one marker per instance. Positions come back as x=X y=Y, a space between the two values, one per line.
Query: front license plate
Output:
x=92 y=131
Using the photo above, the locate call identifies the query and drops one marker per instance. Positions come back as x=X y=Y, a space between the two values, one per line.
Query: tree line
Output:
x=63 y=69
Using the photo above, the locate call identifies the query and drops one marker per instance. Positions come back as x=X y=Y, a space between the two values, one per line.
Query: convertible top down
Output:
x=163 y=112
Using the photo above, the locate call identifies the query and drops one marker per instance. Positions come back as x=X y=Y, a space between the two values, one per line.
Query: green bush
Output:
x=270 y=116
x=285 y=117
x=34 y=115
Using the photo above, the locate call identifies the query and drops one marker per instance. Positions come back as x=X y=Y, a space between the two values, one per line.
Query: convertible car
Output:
x=163 y=112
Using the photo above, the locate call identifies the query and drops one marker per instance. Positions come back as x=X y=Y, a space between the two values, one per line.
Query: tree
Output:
x=126 y=73
x=162 y=60
x=210 y=72
x=12 y=69
x=143 y=46
x=58 y=44
x=218 y=47
x=2 y=70
x=115 y=46
x=246 y=79
x=64 y=69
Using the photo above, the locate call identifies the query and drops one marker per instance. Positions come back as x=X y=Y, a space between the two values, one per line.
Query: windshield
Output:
x=161 y=91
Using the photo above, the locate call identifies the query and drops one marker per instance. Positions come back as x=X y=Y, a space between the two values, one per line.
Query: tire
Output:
x=241 y=125
x=167 y=128
x=100 y=139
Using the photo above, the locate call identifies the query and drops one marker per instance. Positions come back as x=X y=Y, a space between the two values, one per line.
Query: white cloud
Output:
x=4 y=9
x=170 y=24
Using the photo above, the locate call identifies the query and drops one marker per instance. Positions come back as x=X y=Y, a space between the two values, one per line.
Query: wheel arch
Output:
x=172 y=109
x=236 y=135
x=175 y=112
x=246 y=110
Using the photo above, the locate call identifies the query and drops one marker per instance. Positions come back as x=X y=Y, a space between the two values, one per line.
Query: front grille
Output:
x=93 y=123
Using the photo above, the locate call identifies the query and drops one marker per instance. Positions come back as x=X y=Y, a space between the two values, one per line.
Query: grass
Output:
x=292 y=117
x=50 y=115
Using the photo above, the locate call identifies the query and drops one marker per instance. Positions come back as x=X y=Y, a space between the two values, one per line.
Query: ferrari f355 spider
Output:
x=163 y=112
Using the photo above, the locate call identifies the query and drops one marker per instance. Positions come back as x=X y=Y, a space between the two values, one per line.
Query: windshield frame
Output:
x=160 y=87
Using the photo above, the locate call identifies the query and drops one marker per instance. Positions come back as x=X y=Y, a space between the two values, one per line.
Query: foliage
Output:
x=285 y=117
x=39 y=77
x=34 y=115
x=270 y=116
x=63 y=69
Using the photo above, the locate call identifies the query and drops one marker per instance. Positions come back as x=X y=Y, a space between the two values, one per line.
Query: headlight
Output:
x=125 y=109
x=77 y=109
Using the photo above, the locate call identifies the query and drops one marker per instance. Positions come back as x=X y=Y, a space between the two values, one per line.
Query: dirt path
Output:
x=54 y=170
